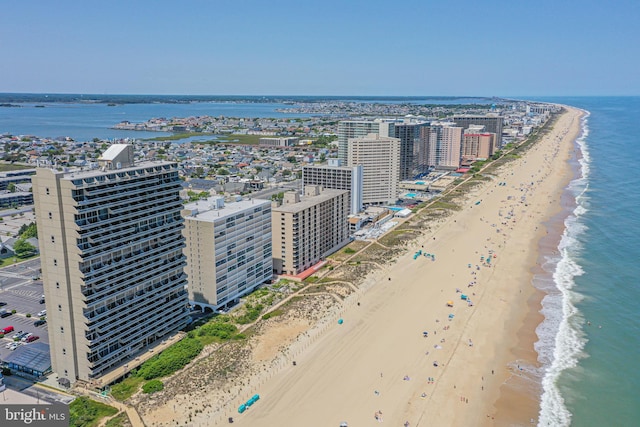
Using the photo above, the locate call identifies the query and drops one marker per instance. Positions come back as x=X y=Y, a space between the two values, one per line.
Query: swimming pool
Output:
x=411 y=195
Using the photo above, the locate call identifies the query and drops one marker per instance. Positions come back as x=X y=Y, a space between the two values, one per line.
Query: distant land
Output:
x=7 y=98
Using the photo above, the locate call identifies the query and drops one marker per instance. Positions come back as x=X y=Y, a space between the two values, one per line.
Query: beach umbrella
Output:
x=340 y=321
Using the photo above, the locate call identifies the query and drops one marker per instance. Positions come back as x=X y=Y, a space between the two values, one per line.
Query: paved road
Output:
x=41 y=394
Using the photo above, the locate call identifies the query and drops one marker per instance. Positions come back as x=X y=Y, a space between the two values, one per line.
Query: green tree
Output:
x=28 y=231
x=23 y=249
x=11 y=187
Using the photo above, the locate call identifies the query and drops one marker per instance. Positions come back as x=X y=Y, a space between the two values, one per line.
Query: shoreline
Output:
x=520 y=396
x=341 y=366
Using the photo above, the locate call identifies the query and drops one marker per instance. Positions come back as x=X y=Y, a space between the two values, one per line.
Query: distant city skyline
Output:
x=376 y=48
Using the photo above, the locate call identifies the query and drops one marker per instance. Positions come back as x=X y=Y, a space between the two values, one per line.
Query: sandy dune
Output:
x=378 y=363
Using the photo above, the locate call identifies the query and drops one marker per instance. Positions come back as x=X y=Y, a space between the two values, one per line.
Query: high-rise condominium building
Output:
x=492 y=122
x=477 y=143
x=228 y=249
x=112 y=262
x=307 y=229
x=380 y=160
x=409 y=136
x=337 y=177
x=358 y=128
x=439 y=146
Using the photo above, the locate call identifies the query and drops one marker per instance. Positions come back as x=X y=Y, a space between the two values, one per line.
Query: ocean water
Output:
x=589 y=343
x=589 y=373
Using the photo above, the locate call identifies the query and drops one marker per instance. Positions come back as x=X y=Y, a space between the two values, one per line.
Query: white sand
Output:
x=350 y=371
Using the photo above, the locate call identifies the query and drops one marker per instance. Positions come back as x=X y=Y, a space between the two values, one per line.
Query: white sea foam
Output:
x=560 y=338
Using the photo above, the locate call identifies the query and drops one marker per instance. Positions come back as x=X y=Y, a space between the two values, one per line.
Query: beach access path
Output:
x=377 y=365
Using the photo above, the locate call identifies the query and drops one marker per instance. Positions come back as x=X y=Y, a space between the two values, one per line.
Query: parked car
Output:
x=9 y=344
x=32 y=338
x=14 y=345
x=2 y=303
x=22 y=335
x=17 y=335
x=42 y=313
x=7 y=329
x=39 y=322
x=26 y=337
x=5 y=313
x=41 y=300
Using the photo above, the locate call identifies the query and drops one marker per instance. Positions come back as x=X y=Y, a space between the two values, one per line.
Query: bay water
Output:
x=589 y=343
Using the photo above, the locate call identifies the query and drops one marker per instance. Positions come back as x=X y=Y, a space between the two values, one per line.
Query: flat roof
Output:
x=35 y=356
x=206 y=209
x=79 y=173
x=309 y=201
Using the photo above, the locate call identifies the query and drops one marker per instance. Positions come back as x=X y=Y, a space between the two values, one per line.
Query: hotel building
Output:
x=439 y=147
x=228 y=249
x=358 y=128
x=112 y=262
x=492 y=123
x=306 y=230
x=380 y=160
x=477 y=143
x=337 y=177
x=409 y=136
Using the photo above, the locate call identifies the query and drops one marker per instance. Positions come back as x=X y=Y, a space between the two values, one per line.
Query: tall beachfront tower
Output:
x=337 y=177
x=228 y=249
x=409 y=136
x=492 y=122
x=359 y=128
x=307 y=229
x=112 y=263
x=379 y=157
x=477 y=144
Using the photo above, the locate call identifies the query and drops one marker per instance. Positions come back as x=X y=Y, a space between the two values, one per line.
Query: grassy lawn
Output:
x=119 y=420
x=126 y=388
x=12 y=260
x=88 y=413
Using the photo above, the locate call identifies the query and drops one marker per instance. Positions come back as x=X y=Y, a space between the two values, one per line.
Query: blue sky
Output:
x=330 y=47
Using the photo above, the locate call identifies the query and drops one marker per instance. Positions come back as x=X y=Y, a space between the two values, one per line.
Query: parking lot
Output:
x=21 y=293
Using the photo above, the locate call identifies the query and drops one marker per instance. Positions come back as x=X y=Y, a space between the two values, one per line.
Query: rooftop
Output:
x=211 y=209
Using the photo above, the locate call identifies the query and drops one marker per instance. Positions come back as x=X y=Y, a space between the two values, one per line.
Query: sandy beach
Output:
x=379 y=364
